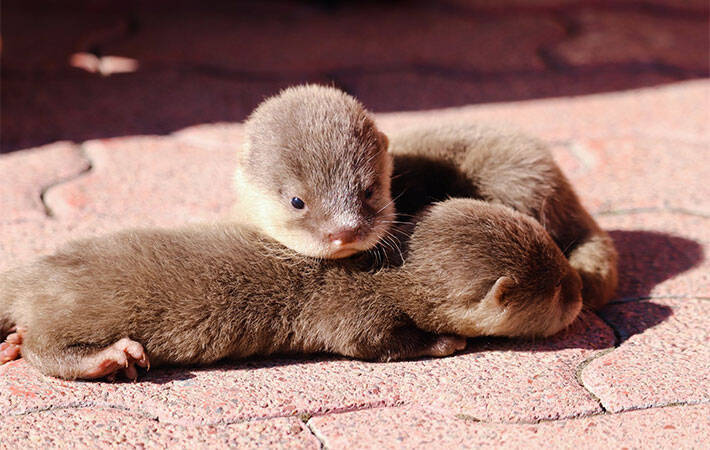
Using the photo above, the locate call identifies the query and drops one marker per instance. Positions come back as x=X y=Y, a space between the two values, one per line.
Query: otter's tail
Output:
x=589 y=249
x=595 y=259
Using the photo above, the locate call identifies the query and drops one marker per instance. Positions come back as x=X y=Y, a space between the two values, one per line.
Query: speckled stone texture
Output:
x=390 y=428
x=107 y=427
x=618 y=89
x=664 y=358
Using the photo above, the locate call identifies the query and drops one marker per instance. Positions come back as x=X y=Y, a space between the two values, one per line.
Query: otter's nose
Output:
x=344 y=236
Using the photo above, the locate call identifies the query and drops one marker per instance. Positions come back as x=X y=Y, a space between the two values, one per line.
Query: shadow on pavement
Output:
x=647 y=258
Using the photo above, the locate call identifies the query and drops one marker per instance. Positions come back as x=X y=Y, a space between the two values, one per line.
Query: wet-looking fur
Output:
x=200 y=294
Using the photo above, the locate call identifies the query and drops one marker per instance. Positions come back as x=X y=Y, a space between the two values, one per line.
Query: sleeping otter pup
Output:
x=432 y=163
x=314 y=162
x=196 y=295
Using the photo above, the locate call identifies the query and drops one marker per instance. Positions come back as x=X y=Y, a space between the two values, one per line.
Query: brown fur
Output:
x=200 y=294
x=311 y=140
x=433 y=163
x=320 y=145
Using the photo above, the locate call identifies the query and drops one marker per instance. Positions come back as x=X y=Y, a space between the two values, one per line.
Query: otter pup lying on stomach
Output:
x=105 y=305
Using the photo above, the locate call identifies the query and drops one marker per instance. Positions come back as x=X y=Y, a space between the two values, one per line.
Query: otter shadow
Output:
x=648 y=258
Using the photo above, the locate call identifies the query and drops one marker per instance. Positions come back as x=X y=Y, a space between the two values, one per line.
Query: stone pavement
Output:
x=86 y=154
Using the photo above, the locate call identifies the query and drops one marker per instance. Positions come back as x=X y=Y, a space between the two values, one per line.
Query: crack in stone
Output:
x=580 y=368
x=89 y=167
x=316 y=434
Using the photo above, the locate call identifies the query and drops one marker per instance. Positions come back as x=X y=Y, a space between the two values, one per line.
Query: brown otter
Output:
x=319 y=146
x=314 y=173
x=432 y=163
x=200 y=294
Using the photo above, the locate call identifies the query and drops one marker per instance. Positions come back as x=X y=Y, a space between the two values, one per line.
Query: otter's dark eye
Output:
x=368 y=192
x=297 y=203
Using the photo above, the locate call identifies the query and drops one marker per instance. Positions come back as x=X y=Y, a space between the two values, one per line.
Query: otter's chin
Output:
x=342 y=253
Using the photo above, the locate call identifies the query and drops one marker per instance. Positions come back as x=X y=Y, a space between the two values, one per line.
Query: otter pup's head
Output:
x=496 y=272
x=315 y=173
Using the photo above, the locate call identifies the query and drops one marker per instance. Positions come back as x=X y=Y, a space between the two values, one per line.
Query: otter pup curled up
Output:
x=196 y=295
x=317 y=175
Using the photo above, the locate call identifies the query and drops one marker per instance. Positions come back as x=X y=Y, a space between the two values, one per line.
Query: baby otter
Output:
x=196 y=295
x=432 y=163
x=312 y=152
x=314 y=173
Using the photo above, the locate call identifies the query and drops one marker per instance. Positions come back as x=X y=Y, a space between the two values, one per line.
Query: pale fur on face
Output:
x=320 y=145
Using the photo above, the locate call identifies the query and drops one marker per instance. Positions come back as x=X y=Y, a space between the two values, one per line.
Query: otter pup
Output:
x=311 y=152
x=196 y=295
x=432 y=163
x=314 y=173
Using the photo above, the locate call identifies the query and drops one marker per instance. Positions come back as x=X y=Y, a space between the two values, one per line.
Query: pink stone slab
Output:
x=104 y=427
x=394 y=428
x=425 y=90
x=664 y=359
x=619 y=174
x=495 y=379
x=150 y=180
x=677 y=111
x=25 y=175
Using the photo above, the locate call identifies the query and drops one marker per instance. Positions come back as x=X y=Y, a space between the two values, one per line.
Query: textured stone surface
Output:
x=663 y=360
x=103 y=427
x=149 y=180
x=620 y=174
x=493 y=380
x=685 y=115
x=424 y=89
x=25 y=175
x=421 y=428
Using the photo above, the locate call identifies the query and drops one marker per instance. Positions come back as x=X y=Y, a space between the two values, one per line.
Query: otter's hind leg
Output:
x=85 y=361
x=11 y=348
x=409 y=342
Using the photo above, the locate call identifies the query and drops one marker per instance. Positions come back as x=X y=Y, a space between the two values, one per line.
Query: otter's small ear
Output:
x=383 y=141
x=496 y=293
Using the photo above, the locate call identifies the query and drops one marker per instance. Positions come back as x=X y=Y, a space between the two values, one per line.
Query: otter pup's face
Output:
x=498 y=272
x=315 y=173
